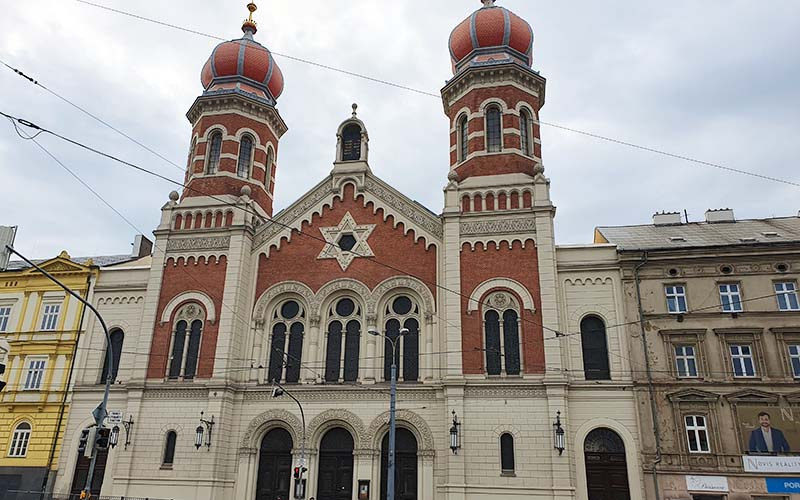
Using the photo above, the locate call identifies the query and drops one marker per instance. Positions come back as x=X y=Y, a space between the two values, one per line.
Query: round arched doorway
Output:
x=274 y=466
x=336 y=465
x=405 y=470
x=606 y=466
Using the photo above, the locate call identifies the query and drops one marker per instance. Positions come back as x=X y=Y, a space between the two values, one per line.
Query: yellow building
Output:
x=41 y=324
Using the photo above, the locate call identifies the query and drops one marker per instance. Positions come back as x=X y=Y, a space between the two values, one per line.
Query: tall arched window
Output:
x=501 y=334
x=286 y=346
x=187 y=335
x=494 y=129
x=595 y=349
x=401 y=310
x=351 y=143
x=19 y=440
x=525 y=131
x=507 y=465
x=214 y=152
x=169 y=448
x=192 y=147
x=344 y=327
x=463 y=138
x=245 y=156
x=117 y=338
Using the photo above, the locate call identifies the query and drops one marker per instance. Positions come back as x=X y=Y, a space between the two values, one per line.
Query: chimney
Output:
x=142 y=247
x=720 y=215
x=667 y=219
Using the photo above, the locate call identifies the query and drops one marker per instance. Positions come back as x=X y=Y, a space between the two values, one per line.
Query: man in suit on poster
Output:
x=767 y=439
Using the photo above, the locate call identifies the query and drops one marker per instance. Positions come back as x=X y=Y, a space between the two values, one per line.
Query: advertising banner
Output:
x=768 y=429
x=783 y=485
x=707 y=483
x=771 y=465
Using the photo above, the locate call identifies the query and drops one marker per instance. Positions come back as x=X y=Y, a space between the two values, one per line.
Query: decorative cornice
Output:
x=243 y=103
x=498 y=226
x=404 y=206
x=206 y=243
x=515 y=392
x=511 y=73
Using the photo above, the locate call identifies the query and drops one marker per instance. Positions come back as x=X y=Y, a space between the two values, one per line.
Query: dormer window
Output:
x=214 y=152
x=494 y=129
x=245 y=155
x=351 y=143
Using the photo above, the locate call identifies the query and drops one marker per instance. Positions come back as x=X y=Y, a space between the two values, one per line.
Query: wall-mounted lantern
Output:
x=558 y=434
x=455 y=434
x=201 y=431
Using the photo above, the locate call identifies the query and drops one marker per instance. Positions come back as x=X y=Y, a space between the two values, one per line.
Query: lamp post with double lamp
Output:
x=392 y=409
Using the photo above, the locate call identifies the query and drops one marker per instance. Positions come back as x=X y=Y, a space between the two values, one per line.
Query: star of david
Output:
x=346 y=241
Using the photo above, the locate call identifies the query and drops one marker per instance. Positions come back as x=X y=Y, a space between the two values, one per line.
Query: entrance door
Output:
x=82 y=470
x=336 y=466
x=275 y=466
x=405 y=470
x=606 y=467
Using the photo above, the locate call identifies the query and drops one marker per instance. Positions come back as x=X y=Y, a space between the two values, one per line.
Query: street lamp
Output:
x=558 y=434
x=200 y=431
x=392 y=409
x=455 y=434
x=299 y=487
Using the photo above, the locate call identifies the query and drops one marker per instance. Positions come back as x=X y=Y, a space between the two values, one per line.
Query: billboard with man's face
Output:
x=768 y=429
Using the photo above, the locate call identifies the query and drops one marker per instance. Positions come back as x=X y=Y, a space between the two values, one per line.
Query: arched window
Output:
x=494 y=129
x=401 y=310
x=214 y=152
x=501 y=334
x=20 y=440
x=187 y=335
x=286 y=346
x=463 y=138
x=351 y=143
x=192 y=148
x=245 y=156
x=595 y=349
x=117 y=337
x=507 y=453
x=525 y=132
x=344 y=327
x=169 y=448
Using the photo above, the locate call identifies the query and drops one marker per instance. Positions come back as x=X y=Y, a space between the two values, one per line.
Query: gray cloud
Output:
x=715 y=80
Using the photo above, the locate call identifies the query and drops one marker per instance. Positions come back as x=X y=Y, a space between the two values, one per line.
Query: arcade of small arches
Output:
x=492 y=200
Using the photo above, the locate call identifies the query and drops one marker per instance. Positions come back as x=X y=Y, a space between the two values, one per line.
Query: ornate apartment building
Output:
x=495 y=325
x=719 y=338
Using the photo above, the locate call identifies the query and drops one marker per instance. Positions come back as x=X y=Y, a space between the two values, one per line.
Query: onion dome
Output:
x=243 y=65
x=491 y=35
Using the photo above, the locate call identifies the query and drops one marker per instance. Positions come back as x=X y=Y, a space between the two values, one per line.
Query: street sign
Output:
x=7 y=234
x=114 y=417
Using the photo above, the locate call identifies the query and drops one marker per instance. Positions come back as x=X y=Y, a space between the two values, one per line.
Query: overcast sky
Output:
x=716 y=80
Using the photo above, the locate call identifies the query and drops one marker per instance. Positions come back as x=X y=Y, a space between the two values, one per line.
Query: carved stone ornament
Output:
x=404 y=206
x=190 y=312
x=286 y=287
x=350 y=420
x=293 y=213
x=209 y=243
x=393 y=284
x=347 y=228
x=499 y=226
x=281 y=418
x=411 y=419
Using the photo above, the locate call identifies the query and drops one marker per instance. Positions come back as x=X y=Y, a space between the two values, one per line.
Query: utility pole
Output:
x=100 y=412
x=299 y=488
x=392 y=409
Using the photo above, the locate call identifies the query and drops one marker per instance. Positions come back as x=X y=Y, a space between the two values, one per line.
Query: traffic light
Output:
x=297 y=473
x=103 y=437
x=84 y=440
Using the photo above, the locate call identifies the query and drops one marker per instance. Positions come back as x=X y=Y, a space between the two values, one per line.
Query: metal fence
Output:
x=39 y=495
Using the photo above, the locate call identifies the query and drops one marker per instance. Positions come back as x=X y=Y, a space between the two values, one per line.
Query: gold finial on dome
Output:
x=249 y=23
x=488 y=3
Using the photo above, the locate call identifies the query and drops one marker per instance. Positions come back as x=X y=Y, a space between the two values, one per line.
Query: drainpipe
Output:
x=650 y=388
x=46 y=480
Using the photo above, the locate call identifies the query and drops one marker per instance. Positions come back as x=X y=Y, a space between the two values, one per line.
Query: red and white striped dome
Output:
x=491 y=34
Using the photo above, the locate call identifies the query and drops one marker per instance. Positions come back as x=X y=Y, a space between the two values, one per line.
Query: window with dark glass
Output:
x=245 y=155
x=192 y=148
x=186 y=340
x=493 y=353
x=117 y=337
x=501 y=335
x=286 y=346
x=344 y=330
x=214 y=152
x=169 y=448
x=595 y=349
x=463 y=134
x=402 y=310
x=351 y=143
x=525 y=132
x=494 y=130
x=178 y=341
x=507 y=453
x=193 y=349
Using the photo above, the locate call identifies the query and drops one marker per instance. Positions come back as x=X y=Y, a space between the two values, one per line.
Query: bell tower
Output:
x=235 y=124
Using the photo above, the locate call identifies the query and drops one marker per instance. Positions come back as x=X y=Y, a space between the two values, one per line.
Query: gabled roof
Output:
x=99 y=261
x=701 y=234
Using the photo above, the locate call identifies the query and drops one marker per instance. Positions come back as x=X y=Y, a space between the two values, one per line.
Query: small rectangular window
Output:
x=697 y=434
x=794 y=359
x=50 y=317
x=685 y=361
x=5 y=317
x=787 y=296
x=742 y=360
x=676 y=299
x=730 y=297
x=33 y=377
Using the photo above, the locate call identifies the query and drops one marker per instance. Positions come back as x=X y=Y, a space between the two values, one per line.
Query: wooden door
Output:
x=82 y=470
